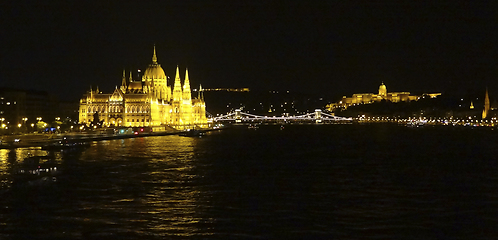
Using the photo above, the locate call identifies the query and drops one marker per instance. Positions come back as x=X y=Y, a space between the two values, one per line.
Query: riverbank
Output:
x=42 y=140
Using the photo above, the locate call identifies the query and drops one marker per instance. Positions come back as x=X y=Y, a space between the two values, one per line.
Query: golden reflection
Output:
x=4 y=156
x=19 y=154
x=176 y=214
x=167 y=167
x=158 y=177
x=175 y=200
x=10 y=158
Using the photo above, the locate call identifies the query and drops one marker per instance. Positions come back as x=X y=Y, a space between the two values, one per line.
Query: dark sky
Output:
x=324 y=49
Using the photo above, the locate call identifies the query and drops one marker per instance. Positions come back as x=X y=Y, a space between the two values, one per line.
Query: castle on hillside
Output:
x=149 y=102
x=365 y=98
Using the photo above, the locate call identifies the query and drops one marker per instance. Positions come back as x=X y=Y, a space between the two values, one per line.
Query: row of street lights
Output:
x=39 y=124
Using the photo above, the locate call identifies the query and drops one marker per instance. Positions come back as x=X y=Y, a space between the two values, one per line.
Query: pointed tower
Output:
x=155 y=79
x=485 y=112
x=177 y=103
x=123 y=82
x=177 y=88
x=200 y=94
x=186 y=114
x=154 y=58
x=200 y=109
x=186 y=88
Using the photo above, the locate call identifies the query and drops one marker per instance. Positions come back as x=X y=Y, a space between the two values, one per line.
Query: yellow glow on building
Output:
x=146 y=102
x=366 y=98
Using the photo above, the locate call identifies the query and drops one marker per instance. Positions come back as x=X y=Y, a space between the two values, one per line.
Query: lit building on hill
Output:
x=149 y=102
x=383 y=94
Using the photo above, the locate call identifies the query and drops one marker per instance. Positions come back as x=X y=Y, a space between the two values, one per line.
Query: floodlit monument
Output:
x=149 y=102
x=366 y=98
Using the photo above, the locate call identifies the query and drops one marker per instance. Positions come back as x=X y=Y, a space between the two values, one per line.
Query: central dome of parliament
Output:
x=154 y=70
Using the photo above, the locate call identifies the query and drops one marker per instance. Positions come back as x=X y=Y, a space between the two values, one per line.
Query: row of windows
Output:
x=137 y=120
x=130 y=109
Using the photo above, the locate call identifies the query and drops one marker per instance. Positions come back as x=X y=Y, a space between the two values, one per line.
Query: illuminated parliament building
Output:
x=149 y=102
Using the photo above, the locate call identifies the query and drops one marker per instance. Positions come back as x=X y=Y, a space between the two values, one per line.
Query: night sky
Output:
x=326 y=49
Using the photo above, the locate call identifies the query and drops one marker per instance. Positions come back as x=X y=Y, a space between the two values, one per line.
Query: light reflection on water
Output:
x=166 y=196
x=328 y=182
x=113 y=182
x=11 y=158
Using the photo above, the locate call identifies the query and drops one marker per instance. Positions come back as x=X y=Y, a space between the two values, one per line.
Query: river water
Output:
x=300 y=181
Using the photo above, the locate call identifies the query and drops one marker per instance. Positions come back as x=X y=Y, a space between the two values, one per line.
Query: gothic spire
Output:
x=186 y=84
x=200 y=95
x=177 y=76
x=154 y=58
x=131 y=79
x=123 y=83
x=177 y=88
x=186 y=88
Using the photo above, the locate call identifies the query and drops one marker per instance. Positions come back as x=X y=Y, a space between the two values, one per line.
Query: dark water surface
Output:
x=305 y=181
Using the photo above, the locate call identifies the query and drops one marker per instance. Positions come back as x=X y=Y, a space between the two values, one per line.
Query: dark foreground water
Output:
x=305 y=181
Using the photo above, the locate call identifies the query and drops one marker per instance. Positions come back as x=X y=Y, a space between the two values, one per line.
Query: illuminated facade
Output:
x=365 y=98
x=149 y=102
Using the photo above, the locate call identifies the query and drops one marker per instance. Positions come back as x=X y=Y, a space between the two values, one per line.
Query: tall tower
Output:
x=177 y=104
x=154 y=57
x=177 y=88
x=200 y=95
x=199 y=109
x=187 y=101
x=155 y=79
x=186 y=87
x=486 y=106
x=123 y=82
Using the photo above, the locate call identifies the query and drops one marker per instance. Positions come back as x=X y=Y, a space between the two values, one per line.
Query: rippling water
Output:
x=305 y=181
